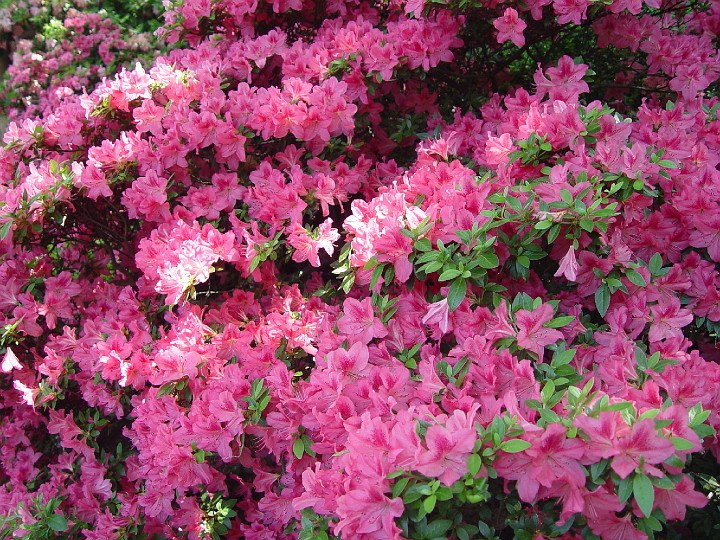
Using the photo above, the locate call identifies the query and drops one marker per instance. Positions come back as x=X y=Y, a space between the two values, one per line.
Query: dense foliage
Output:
x=51 y=51
x=367 y=271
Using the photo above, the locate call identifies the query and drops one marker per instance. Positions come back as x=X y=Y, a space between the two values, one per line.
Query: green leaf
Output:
x=614 y=283
x=514 y=203
x=474 y=464
x=533 y=404
x=624 y=489
x=484 y=529
x=549 y=416
x=697 y=416
x=255 y=262
x=653 y=360
x=649 y=523
x=641 y=359
x=675 y=461
x=604 y=212
x=399 y=486
x=655 y=264
x=411 y=495
x=681 y=444
x=167 y=388
x=602 y=299
x=57 y=522
x=462 y=534
x=561 y=358
x=587 y=225
x=513 y=446
x=566 y=196
x=703 y=430
x=465 y=237
x=548 y=390
x=437 y=528
x=449 y=274
x=487 y=260
x=650 y=413
x=427 y=257
x=456 y=293
x=429 y=503
x=662 y=483
x=307 y=443
x=558 y=322
x=644 y=493
x=376 y=273
x=554 y=233
x=431 y=267
x=622 y=406
x=635 y=277
x=6 y=229
x=298 y=448
x=444 y=494
x=423 y=245
x=597 y=469
x=347 y=283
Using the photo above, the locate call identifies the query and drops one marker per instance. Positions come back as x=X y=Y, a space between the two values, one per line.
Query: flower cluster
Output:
x=57 y=50
x=297 y=280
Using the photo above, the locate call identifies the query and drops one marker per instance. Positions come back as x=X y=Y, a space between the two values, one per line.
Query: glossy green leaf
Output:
x=644 y=493
x=57 y=523
x=602 y=299
x=474 y=464
x=513 y=446
x=298 y=448
x=635 y=277
x=681 y=444
x=487 y=260
x=558 y=322
x=456 y=293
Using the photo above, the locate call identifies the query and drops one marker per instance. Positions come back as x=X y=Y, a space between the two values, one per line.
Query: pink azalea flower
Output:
x=668 y=319
x=447 y=454
x=642 y=445
x=609 y=526
x=689 y=80
x=10 y=361
x=438 y=313
x=532 y=335
x=510 y=26
x=359 y=322
x=568 y=265
x=366 y=510
x=673 y=502
x=555 y=457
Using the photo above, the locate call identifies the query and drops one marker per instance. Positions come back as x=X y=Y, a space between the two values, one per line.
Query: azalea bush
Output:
x=55 y=50
x=364 y=271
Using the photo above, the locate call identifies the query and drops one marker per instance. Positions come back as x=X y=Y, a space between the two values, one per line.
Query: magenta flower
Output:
x=568 y=265
x=510 y=27
x=438 y=313
x=447 y=454
x=359 y=322
x=668 y=319
x=366 y=510
x=532 y=335
x=642 y=446
x=10 y=362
